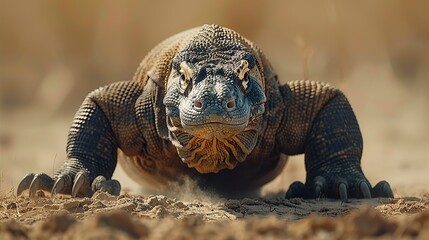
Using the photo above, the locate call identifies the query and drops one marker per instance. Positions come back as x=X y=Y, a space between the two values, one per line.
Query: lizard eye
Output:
x=186 y=73
x=241 y=72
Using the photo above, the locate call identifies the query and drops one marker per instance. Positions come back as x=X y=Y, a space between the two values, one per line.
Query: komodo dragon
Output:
x=206 y=104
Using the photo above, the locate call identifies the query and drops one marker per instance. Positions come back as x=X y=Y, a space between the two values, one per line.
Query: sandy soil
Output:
x=159 y=217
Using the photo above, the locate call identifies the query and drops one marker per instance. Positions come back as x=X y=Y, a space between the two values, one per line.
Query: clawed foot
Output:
x=79 y=186
x=339 y=189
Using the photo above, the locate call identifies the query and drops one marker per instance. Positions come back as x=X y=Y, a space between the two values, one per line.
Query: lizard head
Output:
x=214 y=100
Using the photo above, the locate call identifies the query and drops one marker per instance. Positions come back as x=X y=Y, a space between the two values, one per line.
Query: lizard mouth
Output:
x=219 y=130
x=217 y=123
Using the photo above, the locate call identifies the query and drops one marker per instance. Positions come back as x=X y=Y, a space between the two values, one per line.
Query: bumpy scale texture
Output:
x=206 y=104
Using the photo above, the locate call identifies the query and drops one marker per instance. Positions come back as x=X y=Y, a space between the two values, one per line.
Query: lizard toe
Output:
x=25 y=183
x=40 y=181
x=365 y=189
x=296 y=190
x=342 y=191
x=81 y=186
x=317 y=187
x=63 y=184
x=382 y=189
x=110 y=186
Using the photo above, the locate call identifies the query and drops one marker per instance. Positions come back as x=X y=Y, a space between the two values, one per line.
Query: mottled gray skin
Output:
x=206 y=104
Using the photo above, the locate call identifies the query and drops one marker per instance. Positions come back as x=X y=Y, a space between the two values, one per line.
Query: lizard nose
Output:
x=198 y=104
x=230 y=104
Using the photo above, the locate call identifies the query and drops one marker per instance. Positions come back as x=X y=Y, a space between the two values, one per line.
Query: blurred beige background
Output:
x=53 y=53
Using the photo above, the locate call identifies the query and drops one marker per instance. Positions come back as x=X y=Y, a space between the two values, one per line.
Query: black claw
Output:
x=97 y=183
x=387 y=190
x=296 y=189
x=342 y=191
x=62 y=185
x=25 y=183
x=58 y=186
x=318 y=191
x=81 y=184
x=382 y=189
x=116 y=187
x=40 y=182
x=319 y=186
x=365 y=190
x=35 y=184
x=110 y=186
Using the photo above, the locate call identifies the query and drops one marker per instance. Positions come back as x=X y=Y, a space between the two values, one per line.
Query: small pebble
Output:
x=11 y=206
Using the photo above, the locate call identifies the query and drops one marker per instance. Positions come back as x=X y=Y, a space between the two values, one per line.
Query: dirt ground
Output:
x=159 y=217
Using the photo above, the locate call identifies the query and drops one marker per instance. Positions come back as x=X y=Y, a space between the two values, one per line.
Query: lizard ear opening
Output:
x=242 y=69
x=186 y=72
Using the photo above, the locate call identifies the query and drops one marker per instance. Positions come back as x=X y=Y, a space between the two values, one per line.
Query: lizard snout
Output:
x=228 y=105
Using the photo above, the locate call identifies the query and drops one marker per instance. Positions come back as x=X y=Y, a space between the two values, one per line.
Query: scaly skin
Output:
x=206 y=104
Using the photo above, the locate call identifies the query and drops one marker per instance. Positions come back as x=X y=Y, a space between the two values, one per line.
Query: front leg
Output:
x=320 y=122
x=105 y=121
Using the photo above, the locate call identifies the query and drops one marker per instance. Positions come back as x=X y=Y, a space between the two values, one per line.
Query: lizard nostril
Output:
x=230 y=105
x=198 y=104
